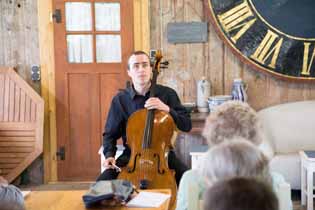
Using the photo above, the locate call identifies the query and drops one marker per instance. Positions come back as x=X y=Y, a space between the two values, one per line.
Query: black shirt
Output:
x=127 y=102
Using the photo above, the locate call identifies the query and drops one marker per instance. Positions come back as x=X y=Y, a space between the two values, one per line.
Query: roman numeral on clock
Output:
x=264 y=50
x=306 y=68
x=239 y=17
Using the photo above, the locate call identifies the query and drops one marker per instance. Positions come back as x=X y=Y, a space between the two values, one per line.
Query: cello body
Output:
x=148 y=161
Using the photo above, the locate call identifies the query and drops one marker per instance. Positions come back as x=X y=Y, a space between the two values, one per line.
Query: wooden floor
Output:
x=297 y=206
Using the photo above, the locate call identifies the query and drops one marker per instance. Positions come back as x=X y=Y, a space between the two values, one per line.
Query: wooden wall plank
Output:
x=17 y=138
x=22 y=106
x=19 y=37
x=2 y=82
x=12 y=149
x=141 y=25
x=17 y=104
x=10 y=160
x=232 y=69
x=215 y=63
x=33 y=111
x=27 y=109
x=13 y=155
x=16 y=144
x=7 y=165
x=6 y=99
x=11 y=100
x=195 y=53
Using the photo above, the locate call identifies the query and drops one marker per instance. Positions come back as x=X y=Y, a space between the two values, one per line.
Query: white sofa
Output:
x=289 y=128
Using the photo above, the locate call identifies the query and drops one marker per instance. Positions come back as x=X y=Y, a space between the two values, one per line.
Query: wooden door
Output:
x=92 y=43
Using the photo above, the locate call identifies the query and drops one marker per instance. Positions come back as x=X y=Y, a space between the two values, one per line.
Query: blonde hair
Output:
x=232 y=119
x=235 y=158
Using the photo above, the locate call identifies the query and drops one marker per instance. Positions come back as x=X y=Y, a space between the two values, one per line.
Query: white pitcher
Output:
x=239 y=90
x=203 y=93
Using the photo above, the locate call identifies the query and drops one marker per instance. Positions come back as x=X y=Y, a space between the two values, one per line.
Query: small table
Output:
x=72 y=200
x=307 y=171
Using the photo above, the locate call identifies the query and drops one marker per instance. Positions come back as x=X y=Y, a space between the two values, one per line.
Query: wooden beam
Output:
x=141 y=25
x=47 y=64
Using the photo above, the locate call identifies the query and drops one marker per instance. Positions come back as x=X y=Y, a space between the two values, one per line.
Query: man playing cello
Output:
x=128 y=101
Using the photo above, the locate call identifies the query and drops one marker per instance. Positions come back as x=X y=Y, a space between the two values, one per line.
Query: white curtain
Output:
x=108 y=49
x=107 y=16
x=78 y=16
x=80 y=48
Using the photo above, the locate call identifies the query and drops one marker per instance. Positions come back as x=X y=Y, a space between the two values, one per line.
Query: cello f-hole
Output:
x=160 y=171
x=131 y=170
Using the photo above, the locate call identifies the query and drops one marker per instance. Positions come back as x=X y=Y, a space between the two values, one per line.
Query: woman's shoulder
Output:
x=192 y=176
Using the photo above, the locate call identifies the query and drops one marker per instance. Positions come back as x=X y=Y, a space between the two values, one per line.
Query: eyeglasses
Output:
x=138 y=65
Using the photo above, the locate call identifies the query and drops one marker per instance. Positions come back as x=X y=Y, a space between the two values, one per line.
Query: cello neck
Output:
x=150 y=116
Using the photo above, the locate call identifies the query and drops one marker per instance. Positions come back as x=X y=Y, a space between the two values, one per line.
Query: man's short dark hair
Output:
x=138 y=52
x=240 y=194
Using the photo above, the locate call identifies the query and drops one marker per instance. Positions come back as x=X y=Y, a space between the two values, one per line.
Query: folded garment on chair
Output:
x=118 y=191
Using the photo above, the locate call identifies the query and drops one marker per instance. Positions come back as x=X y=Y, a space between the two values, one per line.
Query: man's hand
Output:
x=109 y=163
x=3 y=181
x=156 y=103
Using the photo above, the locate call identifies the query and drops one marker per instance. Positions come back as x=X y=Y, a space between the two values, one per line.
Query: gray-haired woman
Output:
x=234 y=157
x=239 y=157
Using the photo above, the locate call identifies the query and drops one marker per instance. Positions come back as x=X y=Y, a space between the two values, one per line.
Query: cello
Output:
x=149 y=134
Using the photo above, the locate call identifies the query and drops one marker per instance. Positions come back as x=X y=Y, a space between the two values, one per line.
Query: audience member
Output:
x=232 y=119
x=236 y=157
x=11 y=197
x=240 y=194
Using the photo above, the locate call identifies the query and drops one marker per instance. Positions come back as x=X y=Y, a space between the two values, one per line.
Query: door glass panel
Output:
x=78 y=16
x=107 y=16
x=80 y=48
x=108 y=49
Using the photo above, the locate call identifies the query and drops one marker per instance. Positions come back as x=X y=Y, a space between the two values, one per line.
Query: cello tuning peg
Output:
x=165 y=63
x=163 y=67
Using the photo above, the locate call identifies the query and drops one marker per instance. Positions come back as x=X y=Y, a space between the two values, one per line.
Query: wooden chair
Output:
x=21 y=124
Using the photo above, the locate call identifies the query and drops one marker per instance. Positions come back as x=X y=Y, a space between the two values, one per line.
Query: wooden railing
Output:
x=21 y=124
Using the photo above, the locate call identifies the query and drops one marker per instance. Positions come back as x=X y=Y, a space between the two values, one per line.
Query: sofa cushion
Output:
x=289 y=166
x=290 y=127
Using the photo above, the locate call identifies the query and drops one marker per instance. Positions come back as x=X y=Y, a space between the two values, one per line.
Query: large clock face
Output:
x=276 y=36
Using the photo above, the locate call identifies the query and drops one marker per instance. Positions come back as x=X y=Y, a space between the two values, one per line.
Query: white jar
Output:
x=203 y=93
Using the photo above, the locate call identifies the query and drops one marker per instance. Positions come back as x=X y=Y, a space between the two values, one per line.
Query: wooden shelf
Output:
x=198 y=122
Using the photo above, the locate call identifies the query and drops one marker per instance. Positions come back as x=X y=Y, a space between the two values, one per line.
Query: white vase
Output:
x=203 y=93
x=239 y=90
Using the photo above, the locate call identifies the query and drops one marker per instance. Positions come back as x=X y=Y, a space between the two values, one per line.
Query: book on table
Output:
x=148 y=200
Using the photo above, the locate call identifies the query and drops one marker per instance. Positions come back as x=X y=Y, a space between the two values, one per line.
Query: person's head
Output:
x=240 y=194
x=234 y=158
x=232 y=119
x=139 y=68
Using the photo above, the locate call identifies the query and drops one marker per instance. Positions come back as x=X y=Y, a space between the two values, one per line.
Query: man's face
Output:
x=139 y=69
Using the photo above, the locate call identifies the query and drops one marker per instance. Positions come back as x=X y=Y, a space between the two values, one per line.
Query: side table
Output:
x=307 y=171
